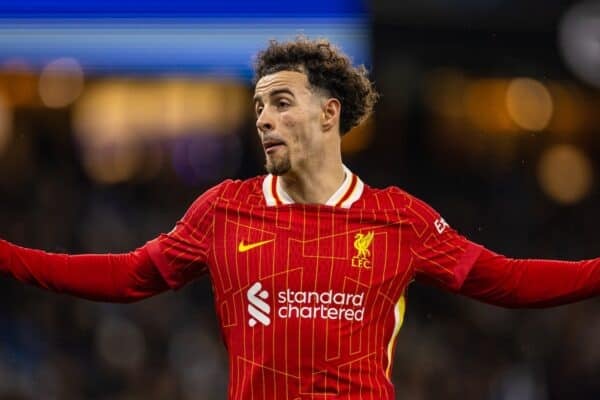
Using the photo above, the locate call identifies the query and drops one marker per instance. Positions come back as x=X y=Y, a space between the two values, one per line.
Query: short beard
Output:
x=279 y=167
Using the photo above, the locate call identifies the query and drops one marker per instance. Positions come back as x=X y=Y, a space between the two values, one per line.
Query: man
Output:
x=309 y=265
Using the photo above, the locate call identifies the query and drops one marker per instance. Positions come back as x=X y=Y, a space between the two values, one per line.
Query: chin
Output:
x=280 y=167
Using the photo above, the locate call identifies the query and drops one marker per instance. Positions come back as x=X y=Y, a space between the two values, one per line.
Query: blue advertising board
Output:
x=217 y=37
x=181 y=8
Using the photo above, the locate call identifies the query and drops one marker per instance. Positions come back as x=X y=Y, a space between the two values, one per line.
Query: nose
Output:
x=264 y=122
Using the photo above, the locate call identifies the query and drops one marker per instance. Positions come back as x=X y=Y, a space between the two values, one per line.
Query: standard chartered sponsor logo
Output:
x=257 y=307
x=324 y=305
x=305 y=305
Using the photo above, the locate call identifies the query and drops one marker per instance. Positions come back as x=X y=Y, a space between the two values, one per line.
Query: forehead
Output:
x=296 y=82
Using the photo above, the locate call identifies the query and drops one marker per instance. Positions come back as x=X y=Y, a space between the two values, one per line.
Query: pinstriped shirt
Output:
x=311 y=298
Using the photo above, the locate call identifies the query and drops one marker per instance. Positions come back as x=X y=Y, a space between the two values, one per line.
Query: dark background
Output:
x=484 y=177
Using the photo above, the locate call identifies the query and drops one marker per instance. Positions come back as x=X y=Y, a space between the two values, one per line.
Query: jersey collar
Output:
x=350 y=191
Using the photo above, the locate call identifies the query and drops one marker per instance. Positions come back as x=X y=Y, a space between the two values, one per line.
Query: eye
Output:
x=258 y=110
x=282 y=103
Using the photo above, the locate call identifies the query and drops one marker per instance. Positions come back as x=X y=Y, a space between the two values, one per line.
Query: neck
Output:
x=314 y=185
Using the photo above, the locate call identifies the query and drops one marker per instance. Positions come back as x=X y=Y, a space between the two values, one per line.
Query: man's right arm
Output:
x=118 y=278
x=167 y=262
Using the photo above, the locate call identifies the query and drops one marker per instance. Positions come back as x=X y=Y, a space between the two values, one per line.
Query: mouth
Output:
x=271 y=145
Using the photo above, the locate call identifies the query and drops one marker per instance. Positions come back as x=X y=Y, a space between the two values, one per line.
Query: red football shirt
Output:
x=310 y=298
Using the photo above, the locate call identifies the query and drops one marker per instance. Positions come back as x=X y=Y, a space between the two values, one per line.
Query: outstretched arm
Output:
x=119 y=278
x=169 y=261
x=514 y=283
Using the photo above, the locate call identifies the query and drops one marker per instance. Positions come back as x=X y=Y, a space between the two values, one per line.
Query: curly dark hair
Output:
x=327 y=68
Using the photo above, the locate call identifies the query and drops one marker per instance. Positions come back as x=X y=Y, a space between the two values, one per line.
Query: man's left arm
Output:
x=513 y=283
x=445 y=259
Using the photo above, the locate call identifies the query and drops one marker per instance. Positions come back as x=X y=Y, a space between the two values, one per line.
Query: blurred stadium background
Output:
x=115 y=115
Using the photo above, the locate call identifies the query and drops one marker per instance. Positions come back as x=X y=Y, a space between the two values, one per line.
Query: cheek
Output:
x=291 y=124
x=288 y=121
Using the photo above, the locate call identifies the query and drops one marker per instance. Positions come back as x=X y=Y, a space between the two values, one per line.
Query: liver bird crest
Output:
x=362 y=243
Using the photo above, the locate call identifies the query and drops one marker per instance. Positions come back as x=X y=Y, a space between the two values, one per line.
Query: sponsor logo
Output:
x=362 y=243
x=440 y=225
x=258 y=308
x=243 y=247
x=321 y=305
x=291 y=304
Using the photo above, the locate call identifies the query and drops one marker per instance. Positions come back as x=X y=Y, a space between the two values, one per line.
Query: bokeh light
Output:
x=19 y=82
x=115 y=109
x=529 y=104
x=484 y=102
x=444 y=92
x=61 y=82
x=463 y=104
x=113 y=164
x=565 y=174
x=571 y=109
x=579 y=39
x=100 y=117
x=359 y=137
x=115 y=121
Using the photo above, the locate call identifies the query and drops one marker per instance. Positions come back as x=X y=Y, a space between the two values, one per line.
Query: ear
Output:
x=330 y=117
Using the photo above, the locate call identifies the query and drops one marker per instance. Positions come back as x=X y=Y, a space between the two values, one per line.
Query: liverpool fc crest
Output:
x=362 y=243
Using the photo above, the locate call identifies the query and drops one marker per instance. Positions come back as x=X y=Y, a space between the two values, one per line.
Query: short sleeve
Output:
x=441 y=256
x=182 y=254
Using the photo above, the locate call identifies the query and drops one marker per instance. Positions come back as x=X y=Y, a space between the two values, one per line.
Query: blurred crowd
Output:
x=169 y=347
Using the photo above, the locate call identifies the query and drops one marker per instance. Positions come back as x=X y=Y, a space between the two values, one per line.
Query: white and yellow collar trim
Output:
x=349 y=192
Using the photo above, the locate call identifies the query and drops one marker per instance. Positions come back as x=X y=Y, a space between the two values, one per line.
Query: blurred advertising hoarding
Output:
x=214 y=38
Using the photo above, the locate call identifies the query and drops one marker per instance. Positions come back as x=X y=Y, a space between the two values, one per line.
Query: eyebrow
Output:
x=274 y=92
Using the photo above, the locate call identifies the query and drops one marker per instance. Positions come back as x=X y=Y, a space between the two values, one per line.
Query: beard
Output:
x=278 y=165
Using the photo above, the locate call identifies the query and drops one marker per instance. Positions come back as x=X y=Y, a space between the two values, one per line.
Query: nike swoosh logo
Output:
x=243 y=247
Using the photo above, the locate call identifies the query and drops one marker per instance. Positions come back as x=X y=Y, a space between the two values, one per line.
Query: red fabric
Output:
x=118 y=278
x=442 y=257
x=310 y=250
x=513 y=283
x=182 y=254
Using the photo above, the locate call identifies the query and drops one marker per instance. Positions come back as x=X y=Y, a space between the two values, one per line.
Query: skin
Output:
x=299 y=128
